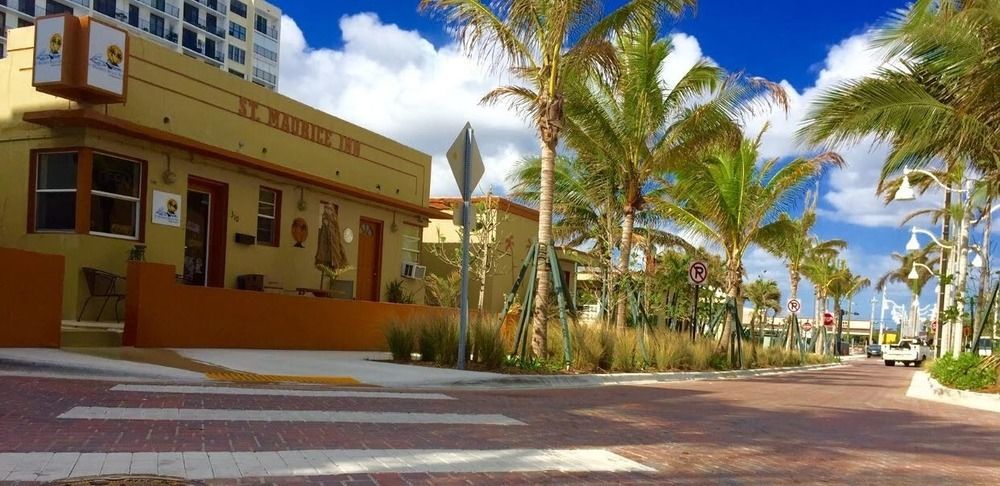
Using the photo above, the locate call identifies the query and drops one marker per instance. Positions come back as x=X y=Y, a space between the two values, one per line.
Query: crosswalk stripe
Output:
x=200 y=414
x=224 y=390
x=39 y=466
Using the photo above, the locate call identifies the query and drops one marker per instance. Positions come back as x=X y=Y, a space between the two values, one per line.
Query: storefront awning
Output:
x=92 y=119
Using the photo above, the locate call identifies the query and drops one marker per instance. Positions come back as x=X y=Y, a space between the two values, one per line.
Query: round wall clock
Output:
x=348 y=235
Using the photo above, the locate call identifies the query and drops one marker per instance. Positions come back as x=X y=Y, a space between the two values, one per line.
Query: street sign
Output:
x=807 y=327
x=456 y=158
x=794 y=306
x=697 y=272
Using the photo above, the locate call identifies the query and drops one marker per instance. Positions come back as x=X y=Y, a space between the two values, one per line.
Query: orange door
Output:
x=205 y=232
x=369 y=259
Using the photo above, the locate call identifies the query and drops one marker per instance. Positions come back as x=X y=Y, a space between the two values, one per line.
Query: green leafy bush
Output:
x=963 y=373
x=400 y=337
x=395 y=292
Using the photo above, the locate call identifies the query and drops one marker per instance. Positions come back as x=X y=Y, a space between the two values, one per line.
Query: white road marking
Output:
x=228 y=390
x=198 y=414
x=37 y=466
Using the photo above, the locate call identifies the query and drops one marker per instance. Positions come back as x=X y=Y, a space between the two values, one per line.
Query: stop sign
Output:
x=827 y=319
x=807 y=327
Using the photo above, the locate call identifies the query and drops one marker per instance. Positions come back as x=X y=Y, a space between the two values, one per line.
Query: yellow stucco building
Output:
x=214 y=175
x=514 y=229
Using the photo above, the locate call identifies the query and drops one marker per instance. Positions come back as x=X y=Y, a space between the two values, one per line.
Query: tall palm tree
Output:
x=846 y=287
x=641 y=127
x=800 y=244
x=544 y=44
x=733 y=201
x=823 y=270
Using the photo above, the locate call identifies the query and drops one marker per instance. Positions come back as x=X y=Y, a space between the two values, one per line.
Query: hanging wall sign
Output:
x=80 y=59
x=53 y=37
x=106 y=57
x=166 y=209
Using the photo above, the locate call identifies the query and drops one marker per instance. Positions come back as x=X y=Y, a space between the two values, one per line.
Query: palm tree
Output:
x=939 y=101
x=731 y=200
x=823 y=271
x=846 y=287
x=585 y=198
x=641 y=127
x=764 y=295
x=544 y=44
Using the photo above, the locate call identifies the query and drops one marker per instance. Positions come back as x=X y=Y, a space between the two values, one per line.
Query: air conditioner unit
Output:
x=412 y=270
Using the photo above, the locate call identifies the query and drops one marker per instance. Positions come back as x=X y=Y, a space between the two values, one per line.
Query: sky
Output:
x=388 y=67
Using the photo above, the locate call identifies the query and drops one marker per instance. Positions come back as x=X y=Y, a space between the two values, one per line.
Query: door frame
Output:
x=217 y=227
x=379 y=243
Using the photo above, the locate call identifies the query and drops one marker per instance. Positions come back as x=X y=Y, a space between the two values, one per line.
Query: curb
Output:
x=584 y=381
x=924 y=387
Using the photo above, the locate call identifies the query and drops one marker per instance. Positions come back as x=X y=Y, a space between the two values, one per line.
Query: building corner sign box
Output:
x=166 y=209
x=81 y=59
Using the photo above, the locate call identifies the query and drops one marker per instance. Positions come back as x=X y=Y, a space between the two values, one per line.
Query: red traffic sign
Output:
x=697 y=272
x=794 y=306
x=827 y=319
x=807 y=327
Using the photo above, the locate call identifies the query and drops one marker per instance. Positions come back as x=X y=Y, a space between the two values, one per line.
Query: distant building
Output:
x=237 y=36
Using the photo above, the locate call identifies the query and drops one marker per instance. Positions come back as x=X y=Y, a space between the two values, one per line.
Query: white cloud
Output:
x=685 y=54
x=396 y=83
x=851 y=196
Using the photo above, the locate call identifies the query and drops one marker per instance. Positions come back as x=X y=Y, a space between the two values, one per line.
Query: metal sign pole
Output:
x=694 y=313
x=463 y=329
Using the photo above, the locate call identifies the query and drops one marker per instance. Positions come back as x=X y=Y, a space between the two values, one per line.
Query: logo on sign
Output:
x=52 y=57
x=110 y=62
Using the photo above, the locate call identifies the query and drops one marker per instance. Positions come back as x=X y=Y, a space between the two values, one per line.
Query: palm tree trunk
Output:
x=626 y=253
x=734 y=278
x=542 y=276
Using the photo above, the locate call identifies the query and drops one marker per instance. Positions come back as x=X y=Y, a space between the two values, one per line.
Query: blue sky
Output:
x=386 y=66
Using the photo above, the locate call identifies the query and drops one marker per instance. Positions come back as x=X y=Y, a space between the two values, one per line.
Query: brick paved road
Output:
x=845 y=425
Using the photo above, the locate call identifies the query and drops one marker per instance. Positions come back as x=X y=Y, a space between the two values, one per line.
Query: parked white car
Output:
x=908 y=351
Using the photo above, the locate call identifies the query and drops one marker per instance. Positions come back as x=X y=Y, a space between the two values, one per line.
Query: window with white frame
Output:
x=268 y=214
x=411 y=244
x=55 y=191
x=115 y=196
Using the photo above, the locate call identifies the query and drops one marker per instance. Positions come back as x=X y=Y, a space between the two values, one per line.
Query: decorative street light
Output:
x=906 y=193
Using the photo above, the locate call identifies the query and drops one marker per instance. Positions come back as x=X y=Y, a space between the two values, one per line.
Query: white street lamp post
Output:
x=906 y=193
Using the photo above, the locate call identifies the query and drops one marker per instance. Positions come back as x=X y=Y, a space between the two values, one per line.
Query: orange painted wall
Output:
x=162 y=313
x=31 y=289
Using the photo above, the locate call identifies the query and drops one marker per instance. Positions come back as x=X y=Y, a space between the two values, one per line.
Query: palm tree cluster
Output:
x=646 y=174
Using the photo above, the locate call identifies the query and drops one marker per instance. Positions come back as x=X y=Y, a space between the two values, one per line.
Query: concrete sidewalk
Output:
x=323 y=367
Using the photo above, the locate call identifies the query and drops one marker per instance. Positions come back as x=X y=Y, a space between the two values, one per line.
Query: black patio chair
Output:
x=105 y=285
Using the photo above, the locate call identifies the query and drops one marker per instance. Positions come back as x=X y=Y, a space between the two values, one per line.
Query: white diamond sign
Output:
x=456 y=158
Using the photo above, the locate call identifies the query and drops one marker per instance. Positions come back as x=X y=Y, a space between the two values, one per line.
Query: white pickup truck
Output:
x=908 y=351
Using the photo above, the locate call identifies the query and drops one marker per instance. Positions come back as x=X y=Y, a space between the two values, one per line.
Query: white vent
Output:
x=412 y=270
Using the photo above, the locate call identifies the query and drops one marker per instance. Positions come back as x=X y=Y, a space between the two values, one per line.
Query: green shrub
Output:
x=671 y=351
x=587 y=347
x=396 y=293
x=702 y=354
x=963 y=373
x=489 y=348
x=625 y=353
x=400 y=337
x=429 y=337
